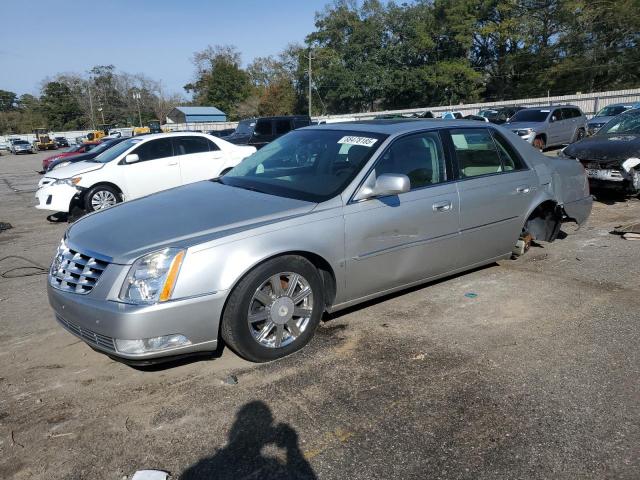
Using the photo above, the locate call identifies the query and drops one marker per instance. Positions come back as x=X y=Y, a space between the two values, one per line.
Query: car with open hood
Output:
x=136 y=167
x=322 y=218
x=611 y=157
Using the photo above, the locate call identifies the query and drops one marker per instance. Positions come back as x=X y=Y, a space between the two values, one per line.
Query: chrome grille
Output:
x=87 y=335
x=72 y=271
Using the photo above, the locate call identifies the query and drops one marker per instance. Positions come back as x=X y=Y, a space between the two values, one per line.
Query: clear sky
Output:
x=155 y=37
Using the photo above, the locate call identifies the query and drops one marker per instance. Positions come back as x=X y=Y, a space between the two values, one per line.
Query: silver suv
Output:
x=549 y=126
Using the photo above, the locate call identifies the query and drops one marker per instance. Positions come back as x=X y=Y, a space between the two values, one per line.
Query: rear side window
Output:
x=212 y=146
x=510 y=158
x=476 y=152
x=154 y=149
x=188 y=145
x=263 y=127
x=576 y=113
x=283 y=126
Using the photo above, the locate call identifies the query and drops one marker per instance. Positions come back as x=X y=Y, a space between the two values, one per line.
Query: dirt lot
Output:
x=536 y=377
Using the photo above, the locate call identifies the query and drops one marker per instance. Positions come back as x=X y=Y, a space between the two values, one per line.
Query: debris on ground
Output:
x=5 y=226
x=471 y=295
x=629 y=231
x=150 y=475
x=230 y=380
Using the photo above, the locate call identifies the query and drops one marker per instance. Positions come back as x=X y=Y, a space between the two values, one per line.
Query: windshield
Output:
x=245 y=127
x=488 y=113
x=311 y=165
x=626 y=123
x=536 y=115
x=612 y=111
x=115 y=151
x=20 y=142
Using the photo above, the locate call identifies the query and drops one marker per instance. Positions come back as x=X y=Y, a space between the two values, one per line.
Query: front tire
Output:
x=274 y=310
x=539 y=143
x=101 y=197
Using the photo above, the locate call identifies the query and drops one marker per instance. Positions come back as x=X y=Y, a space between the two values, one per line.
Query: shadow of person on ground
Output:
x=243 y=458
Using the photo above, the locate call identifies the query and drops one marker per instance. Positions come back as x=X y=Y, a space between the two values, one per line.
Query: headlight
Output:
x=524 y=131
x=72 y=182
x=151 y=278
x=62 y=164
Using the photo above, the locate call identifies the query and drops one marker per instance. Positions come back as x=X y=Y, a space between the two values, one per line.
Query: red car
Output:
x=78 y=149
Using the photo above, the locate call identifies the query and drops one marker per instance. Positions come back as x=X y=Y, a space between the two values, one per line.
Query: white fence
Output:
x=589 y=103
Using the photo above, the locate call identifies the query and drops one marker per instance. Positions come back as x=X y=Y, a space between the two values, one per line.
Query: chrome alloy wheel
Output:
x=280 y=310
x=103 y=199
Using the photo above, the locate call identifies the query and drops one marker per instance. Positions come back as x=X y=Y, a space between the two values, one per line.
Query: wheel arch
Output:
x=543 y=221
x=326 y=271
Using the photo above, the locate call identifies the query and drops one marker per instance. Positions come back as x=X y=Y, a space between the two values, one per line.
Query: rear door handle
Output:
x=442 y=206
x=523 y=189
x=172 y=163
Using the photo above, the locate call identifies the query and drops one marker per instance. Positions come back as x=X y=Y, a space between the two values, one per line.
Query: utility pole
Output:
x=310 y=82
x=136 y=95
x=93 y=120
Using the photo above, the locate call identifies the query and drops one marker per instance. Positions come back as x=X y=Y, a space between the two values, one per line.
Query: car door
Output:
x=157 y=169
x=200 y=158
x=401 y=239
x=568 y=126
x=495 y=187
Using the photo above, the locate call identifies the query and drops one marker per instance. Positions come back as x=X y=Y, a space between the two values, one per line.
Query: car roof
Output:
x=151 y=136
x=396 y=125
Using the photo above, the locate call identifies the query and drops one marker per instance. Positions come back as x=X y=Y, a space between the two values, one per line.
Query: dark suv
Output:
x=257 y=132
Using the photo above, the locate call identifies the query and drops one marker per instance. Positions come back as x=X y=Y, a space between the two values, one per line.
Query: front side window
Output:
x=311 y=165
x=476 y=152
x=420 y=157
x=154 y=149
x=189 y=145
x=263 y=127
x=612 y=110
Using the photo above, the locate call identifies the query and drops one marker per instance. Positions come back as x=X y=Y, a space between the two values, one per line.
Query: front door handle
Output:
x=523 y=189
x=442 y=206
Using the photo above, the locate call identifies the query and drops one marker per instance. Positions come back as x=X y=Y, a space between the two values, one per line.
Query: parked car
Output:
x=611 y=157
x=477 y=118
x=137 y=167
x=257 y=132
x=606 y=114
x=452 y=115
x=61 y=142
x=5 y=145
x=499 y=115
x=22 y=146
x=221 y=133
x=78 y=149
x=322 y=218
x=549 y=126
x=96 y=150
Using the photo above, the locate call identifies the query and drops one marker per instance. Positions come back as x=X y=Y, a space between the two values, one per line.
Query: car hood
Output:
x=180 y=217
x=74 y=169
x=606 y=149
x=599 y=120
x=521 y=125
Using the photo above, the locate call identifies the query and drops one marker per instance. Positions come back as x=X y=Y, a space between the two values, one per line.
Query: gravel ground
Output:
x=535 y=377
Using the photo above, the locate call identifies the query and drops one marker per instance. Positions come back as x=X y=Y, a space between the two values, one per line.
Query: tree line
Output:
x=369 y=55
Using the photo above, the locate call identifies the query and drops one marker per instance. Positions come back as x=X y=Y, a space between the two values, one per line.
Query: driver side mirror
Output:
x=384 y=185
x=132 y=158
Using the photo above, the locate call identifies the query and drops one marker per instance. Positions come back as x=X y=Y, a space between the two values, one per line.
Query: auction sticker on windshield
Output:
x=364 y=141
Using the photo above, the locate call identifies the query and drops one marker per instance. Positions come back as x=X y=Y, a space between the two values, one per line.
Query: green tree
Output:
x=7 y=100
x=219 y=79
x=60 y=108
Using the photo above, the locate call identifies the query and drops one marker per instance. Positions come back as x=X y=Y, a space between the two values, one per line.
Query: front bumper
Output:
x=99 y=322
x=528 y=137
x=56 y=197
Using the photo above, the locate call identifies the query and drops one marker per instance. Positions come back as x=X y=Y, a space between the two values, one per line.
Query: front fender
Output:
x=220 y=267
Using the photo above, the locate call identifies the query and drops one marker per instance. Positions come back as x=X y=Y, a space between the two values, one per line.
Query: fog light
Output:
x=153 y=344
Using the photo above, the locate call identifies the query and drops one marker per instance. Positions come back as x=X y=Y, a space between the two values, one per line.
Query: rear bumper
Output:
x=100 y=322
x=579 y=210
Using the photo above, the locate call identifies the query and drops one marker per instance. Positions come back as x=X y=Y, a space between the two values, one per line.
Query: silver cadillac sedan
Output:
x=323 y=218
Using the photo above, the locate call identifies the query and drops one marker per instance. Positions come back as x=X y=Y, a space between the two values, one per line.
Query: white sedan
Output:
x=138 y=167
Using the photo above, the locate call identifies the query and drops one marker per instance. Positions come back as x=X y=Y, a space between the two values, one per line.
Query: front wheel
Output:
x=101 y=197
x=539 y=143
x=275 y=310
